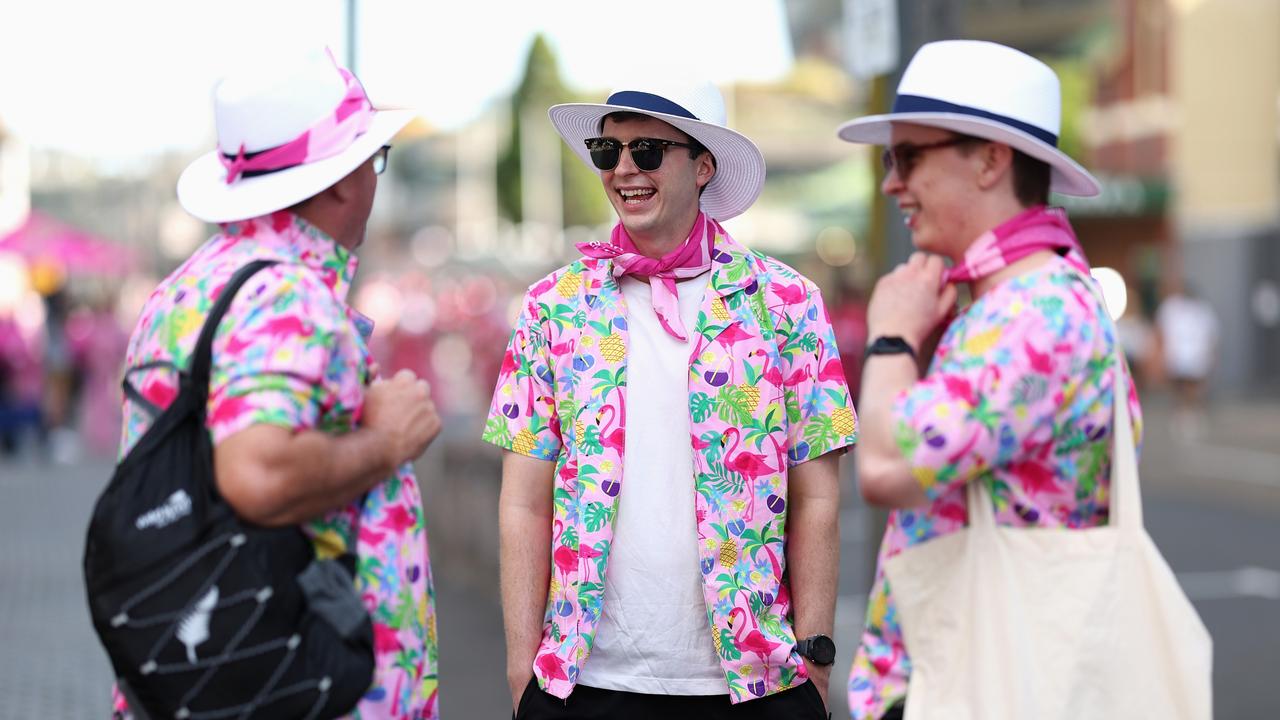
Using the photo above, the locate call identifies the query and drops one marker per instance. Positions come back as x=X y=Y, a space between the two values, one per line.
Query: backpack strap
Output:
x=134 y=395
x=198 y=371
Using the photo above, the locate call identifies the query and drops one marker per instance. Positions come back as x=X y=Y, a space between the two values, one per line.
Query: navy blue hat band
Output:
x=917 y=104
x=648 y=102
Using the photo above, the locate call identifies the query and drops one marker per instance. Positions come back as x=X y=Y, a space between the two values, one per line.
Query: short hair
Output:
x=1031 y=177
x=696 y=148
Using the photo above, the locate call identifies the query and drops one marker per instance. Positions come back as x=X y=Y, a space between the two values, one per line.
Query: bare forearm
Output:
x=296 y=476
x=883 y=472
x=525 y=560
x=813 y=543
x=883 y=378
x=525 y=509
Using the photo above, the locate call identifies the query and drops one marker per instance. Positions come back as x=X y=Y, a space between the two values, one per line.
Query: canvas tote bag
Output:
x=1044 y=623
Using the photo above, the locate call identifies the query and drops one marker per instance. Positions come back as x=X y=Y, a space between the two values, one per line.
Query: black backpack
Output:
x=205 y=616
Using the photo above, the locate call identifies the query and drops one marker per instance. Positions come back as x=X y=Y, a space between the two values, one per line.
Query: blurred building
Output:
x=1184 y=132
x=1225 y=163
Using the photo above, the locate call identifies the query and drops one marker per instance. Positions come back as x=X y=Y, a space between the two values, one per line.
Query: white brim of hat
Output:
x=1067 y=176
x=740 y=167
x=203 y=190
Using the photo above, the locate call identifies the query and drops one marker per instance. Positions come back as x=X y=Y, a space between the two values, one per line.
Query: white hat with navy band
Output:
x=985 y=90
x=695 y=109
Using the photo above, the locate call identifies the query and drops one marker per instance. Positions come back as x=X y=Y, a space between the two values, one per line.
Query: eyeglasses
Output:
x=904 y=156
x=646 y=153
x=380 y=159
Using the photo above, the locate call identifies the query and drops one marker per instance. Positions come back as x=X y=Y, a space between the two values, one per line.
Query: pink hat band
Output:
x=328 y=137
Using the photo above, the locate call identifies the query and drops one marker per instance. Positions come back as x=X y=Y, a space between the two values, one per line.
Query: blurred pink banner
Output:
x=43 y=239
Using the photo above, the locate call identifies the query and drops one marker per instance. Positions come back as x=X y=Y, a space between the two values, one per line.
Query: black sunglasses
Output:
x=903 y=157
x=646 y=153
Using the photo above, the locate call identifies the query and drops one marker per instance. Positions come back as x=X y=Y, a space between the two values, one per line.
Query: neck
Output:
x=987 y=213
x=658 y=244
x=989 y=216
x=329 y=223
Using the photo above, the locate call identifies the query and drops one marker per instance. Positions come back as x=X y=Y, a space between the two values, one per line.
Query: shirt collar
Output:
x=733 y=266
x=289 y=237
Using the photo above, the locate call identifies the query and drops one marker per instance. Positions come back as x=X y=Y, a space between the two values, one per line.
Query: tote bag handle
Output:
x=1126 y=497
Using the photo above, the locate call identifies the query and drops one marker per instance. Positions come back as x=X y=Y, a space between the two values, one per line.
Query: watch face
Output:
x=822 y=650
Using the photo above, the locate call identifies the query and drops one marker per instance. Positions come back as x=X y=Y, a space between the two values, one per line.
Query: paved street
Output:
x=1213 y=508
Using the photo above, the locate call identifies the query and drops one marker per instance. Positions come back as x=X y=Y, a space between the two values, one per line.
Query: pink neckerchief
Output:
x=691 y=259
x=327 y=137
x=1035 y=229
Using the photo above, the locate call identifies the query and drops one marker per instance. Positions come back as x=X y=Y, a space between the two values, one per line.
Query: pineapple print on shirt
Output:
x=758 y=404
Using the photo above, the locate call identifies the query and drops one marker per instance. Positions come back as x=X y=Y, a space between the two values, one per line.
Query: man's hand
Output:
x=518 y=679
x=401 y=411
x=911 y=301
x=820 y=676
x=274 y=476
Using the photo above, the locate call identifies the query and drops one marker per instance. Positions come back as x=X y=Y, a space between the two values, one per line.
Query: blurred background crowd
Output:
x=1174 y=104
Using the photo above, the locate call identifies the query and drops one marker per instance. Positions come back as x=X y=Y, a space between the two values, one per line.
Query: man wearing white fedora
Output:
x=304 y=433
x=672 y=405
x=1018 y=393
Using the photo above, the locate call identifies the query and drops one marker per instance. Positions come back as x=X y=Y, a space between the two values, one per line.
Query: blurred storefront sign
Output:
x=871 y=37
x=1122 y=196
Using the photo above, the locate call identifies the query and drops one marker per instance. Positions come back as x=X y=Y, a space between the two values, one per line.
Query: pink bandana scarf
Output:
x=1035 y=229
x=691 y=259
x=328 y=137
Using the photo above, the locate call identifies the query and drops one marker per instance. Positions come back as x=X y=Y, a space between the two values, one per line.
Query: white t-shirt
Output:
x=1189 y=329
x=654 y=636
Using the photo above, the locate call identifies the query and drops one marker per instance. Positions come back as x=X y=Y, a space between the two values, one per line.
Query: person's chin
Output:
x=925 y=241
x=635 y=221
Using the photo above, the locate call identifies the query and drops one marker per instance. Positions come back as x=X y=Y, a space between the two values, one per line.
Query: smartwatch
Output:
x=890 y=345
x=818 y=648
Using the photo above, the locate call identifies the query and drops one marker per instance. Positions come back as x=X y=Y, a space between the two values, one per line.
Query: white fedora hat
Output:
x=695 y=109
x=286 y=132
x=985 y=90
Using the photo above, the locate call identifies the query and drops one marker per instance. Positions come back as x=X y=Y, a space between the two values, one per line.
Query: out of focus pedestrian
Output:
x=1188 y=331
x=304 y=434
x=1019 y=392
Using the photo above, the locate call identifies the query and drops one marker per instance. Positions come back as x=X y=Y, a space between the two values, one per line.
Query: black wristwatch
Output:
x=890 y=345
x=818 y=648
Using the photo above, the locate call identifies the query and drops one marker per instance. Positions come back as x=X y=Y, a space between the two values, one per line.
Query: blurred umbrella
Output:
x=50 y=243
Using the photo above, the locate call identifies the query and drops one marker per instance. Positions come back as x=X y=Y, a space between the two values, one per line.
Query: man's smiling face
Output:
x=655 y=207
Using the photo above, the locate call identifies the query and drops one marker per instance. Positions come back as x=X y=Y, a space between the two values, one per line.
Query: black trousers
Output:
x=588 y=703
x=895 y=712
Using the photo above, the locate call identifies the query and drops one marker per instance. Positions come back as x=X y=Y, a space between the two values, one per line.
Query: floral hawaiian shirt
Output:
x=1019 y=396
x=766 y=392
x=291 y=352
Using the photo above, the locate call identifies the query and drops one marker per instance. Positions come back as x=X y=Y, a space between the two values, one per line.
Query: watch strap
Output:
x=890 y=345
x=806 y=649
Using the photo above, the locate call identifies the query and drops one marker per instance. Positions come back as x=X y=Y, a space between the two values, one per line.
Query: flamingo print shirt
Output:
x=1019 y=396
x=290 y=352
x=766 y=392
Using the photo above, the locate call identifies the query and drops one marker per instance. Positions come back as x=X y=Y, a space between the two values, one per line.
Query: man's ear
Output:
x=343 y=190
x=706 y=169
x=996 y=163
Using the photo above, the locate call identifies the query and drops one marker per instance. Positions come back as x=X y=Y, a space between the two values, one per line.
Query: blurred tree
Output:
x=1076 y=79
x=540 y=88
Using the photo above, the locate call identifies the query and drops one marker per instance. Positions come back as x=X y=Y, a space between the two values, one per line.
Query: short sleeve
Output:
x=273 y=354
x=820 y=412
x=988 y=402
x=522 y=417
